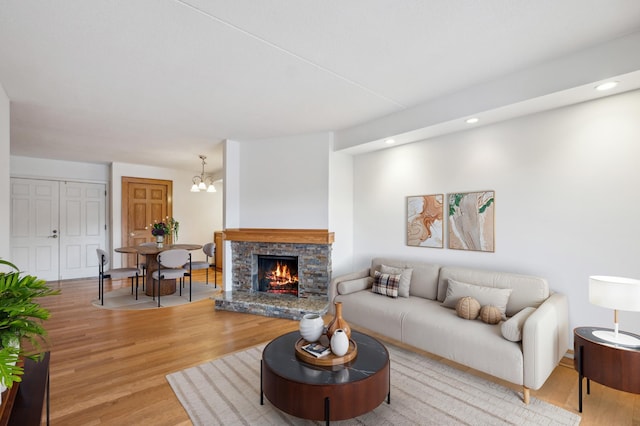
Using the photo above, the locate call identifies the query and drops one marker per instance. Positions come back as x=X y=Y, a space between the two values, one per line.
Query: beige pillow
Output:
x=497 y=297
x=512 y=328
x=490 y=314
x=405 y=278
x=468 y=308
x=351 y=286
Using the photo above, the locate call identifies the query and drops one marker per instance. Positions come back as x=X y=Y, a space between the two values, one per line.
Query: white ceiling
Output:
x=158 y=82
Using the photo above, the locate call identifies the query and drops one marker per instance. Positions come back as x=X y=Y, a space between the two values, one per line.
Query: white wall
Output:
x=5 y=194
x=231 y=216
x=284 y=182
x=39 y=168
x=341 y=212
x=566 y=185
x=199 y=213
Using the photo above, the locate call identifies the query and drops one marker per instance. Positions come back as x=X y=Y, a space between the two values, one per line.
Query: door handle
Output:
x=53 y=236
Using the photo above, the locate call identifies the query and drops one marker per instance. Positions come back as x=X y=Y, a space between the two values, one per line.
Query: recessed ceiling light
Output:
x=472 y=120
x=607 y=85
x=389 y=141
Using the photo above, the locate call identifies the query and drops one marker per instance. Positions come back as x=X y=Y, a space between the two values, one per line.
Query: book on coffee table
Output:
x=316 y=349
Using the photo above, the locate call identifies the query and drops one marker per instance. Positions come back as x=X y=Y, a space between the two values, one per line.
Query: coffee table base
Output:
x=325 y=402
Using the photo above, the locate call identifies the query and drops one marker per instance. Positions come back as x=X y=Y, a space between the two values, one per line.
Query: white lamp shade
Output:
x=194 y=188
x=618 y=293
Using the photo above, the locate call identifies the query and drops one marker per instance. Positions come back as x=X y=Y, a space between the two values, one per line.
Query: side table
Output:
x=604 y=362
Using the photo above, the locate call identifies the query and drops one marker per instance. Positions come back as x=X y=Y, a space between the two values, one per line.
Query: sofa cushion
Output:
x=438 y=330
x=405 y=278
x=527 y=290
x=351 y=286
x=386 y=284
x=374 y=312
x=512 y=328
x=498 y=297
x=424 y=278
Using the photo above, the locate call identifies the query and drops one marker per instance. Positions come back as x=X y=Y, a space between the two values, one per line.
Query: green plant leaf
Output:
x=20 y=318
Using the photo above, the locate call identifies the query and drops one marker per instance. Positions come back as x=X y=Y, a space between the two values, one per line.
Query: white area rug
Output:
x=123 y=299
x=226 y=391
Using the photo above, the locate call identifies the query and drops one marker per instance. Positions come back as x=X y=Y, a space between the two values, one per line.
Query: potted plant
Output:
x=168 y=228
x=20 y=319
x=159 y=230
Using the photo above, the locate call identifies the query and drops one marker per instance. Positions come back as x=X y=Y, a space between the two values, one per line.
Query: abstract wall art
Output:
x=425 y=220
x=471 y=221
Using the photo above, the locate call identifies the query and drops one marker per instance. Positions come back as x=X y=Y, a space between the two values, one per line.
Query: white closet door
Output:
x=82 y=228
x=34 y=227
x=56 y=227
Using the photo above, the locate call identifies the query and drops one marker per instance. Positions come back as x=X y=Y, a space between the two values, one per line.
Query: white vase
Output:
x=339 y=342
x=311 y=327
x=160 y=241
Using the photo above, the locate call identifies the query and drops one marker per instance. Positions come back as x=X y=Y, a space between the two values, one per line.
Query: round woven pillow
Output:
x=490 y=314
x=468 y=308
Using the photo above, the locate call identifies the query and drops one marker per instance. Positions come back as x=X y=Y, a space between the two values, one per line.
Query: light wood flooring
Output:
x=109 y=367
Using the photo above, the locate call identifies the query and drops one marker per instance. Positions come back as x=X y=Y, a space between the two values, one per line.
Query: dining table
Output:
x=150 y=252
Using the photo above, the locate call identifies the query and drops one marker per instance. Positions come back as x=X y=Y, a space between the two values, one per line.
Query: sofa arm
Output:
x=333 y=285
x=545 y=339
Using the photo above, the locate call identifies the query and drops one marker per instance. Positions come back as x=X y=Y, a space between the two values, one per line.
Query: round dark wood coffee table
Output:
x=325 y=393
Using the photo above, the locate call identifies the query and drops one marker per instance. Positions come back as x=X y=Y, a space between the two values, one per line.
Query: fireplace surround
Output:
x=311 y=248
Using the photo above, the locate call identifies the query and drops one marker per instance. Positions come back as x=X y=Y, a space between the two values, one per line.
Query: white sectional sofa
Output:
x=536 y=338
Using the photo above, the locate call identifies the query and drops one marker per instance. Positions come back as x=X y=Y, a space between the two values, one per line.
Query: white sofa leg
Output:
x=526 y=394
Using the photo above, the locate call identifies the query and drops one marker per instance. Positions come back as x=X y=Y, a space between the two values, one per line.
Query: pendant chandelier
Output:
x=202 y=182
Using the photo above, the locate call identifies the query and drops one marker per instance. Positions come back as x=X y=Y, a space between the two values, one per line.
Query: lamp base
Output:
x=619 y=339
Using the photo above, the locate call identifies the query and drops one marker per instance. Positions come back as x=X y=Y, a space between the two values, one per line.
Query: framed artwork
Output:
x=425 y=221
x=471 y=221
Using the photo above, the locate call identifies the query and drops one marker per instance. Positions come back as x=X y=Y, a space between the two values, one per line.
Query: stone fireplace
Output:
x=281 y=273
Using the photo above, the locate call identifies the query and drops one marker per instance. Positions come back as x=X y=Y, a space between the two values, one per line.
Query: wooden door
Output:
x=143 y=202
x=217 y=238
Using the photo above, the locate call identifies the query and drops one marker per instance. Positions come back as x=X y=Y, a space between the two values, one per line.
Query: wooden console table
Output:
x=26 y=401
x=615 y=366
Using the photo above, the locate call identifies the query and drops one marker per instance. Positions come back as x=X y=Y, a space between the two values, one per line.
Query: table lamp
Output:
x=619 y=294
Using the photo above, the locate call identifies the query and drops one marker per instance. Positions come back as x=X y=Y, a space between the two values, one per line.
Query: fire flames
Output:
x=281 y=275
x=281 y=280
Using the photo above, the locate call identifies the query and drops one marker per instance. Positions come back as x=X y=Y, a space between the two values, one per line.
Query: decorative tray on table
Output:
x=328 y=359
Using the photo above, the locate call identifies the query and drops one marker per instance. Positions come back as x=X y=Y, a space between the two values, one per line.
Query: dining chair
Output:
x=114 y=273
x=172 y=264
x=142 y=264
x=209 y=250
